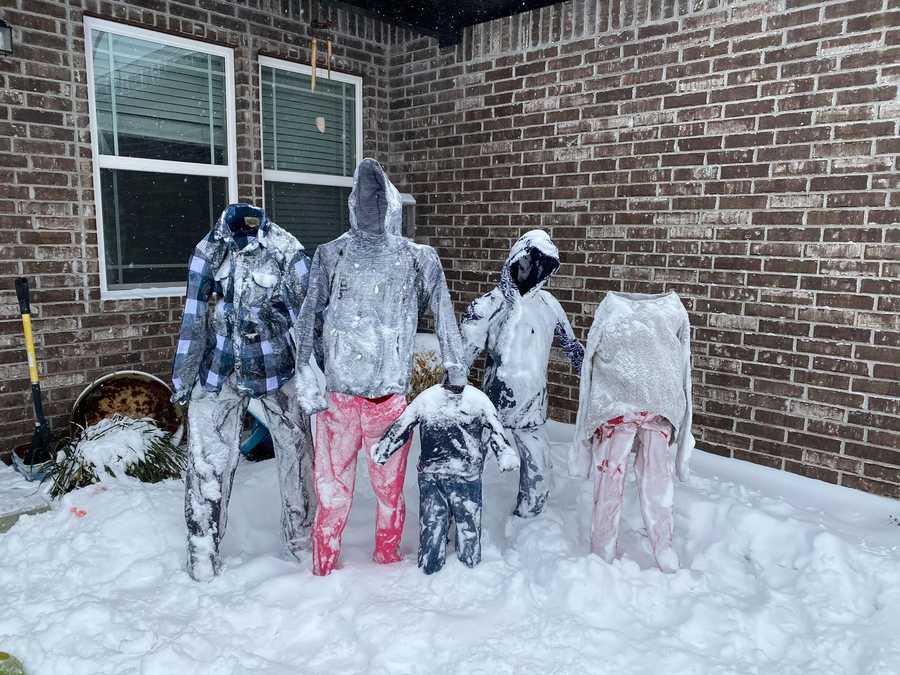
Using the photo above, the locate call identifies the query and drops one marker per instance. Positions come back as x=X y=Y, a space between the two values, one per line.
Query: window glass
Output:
x=158 y=102
x=304 y=130
x=315 y=214
x=152 y=221
x=162 y=126
x=310 y=149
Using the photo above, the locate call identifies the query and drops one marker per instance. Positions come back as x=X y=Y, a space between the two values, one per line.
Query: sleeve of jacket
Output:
x=446 y=328
x=296 y=281
x=318 y=292
x=685 y=438
x=566 y=337
x=498 y=442
x=580 y=452
x=475 y=326
x=397 y=434
x=192 y=336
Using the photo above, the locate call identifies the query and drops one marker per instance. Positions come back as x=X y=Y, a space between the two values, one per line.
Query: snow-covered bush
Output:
x=113 y=447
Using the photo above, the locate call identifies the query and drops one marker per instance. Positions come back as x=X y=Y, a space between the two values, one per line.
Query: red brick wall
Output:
x=745 y=157
x=47 y=226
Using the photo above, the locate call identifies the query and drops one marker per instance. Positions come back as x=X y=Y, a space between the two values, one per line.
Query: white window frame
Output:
x=302 y=177
x=228 y=170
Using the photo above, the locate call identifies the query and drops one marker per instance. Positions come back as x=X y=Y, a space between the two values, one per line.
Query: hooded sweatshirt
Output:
x=368 y=285
x=516 y=323
x=638 y=359
x=257 y=272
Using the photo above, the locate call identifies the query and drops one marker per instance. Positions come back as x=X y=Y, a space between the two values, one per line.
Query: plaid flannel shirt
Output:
x=259 y=282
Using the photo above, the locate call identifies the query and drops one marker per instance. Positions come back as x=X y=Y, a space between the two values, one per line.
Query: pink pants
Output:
x=352 y=423
x=649 y=436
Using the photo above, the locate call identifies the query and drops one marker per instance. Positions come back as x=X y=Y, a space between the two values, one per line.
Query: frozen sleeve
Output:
x=446 y=329
x=507 y=457
x=397 y=434
x=685 y=438
x=580 y=452
x=567 y=340
x=318 y=292
x=296 y=281
x=474 y=328
x=192 y=335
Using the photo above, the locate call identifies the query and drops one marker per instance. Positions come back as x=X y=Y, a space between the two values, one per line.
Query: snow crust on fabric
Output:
x=783 y=575
x=370 y=285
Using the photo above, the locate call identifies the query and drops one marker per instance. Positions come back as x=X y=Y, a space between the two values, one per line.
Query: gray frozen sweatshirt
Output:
x=369 y=285
x=638 y=359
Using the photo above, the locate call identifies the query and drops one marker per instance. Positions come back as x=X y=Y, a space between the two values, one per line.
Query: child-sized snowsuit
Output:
x=457 y=426
x=635 y=395
x=368 y=285
x=241 y=351
x=516 y=323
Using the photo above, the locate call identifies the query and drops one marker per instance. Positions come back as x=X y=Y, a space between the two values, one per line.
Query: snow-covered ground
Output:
x=781 y=575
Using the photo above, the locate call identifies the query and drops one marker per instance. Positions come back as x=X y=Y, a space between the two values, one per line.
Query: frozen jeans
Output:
x=648 y=435
x=440 y=498
x=533 y=447
x=215 y=421
x=352 y=423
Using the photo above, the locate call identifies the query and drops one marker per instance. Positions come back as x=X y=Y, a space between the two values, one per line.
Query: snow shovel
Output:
x=40 y=440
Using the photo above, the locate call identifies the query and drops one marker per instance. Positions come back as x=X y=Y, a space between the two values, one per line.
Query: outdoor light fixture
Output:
x=6 y=45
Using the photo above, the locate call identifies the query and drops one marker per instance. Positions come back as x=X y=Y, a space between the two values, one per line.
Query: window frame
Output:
x=302 y=177
x=100 y=161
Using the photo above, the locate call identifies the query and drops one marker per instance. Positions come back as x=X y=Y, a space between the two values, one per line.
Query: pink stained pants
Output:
x=351 y=424
x=648 y=435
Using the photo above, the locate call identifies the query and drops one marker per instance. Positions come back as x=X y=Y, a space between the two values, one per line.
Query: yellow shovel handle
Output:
x=29 y=347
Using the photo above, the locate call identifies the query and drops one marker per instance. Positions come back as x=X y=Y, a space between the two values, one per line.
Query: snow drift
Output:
x=781 y=575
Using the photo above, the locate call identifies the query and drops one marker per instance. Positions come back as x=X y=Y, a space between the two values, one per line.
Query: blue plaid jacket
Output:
x=258 y=274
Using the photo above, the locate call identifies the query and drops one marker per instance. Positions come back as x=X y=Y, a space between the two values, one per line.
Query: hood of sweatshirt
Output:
x=374 y=202
x=532 y=260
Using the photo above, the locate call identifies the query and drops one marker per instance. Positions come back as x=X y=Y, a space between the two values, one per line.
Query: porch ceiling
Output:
x=446 y=19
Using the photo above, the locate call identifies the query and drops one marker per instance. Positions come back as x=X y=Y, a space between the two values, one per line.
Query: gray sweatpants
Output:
x=535 y=480
x=214 y=430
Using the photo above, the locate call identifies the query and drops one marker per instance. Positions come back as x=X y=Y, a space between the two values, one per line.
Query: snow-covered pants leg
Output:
x=649 y=436
x=349 y=424
x=215 y=422
x=441 y=497
x=292 y=441
x=534 y=470
x=214 y=429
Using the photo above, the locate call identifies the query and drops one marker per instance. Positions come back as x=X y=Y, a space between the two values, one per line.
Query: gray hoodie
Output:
x=368 y=285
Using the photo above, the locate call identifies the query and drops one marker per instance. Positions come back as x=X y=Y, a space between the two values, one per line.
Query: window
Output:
x=163 y=135
x=312 y=142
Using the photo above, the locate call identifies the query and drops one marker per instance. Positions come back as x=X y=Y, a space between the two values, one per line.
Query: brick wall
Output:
x=47 y=226
x=744 y=155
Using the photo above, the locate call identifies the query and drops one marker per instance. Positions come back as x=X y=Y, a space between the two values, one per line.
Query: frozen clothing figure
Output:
x=516 y=323
x=635 y=395
x=368 y=285
x=457 y=426
x=258 y=273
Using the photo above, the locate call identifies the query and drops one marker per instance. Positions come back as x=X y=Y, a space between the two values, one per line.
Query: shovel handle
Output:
x=22 y=295
x=25 y=308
